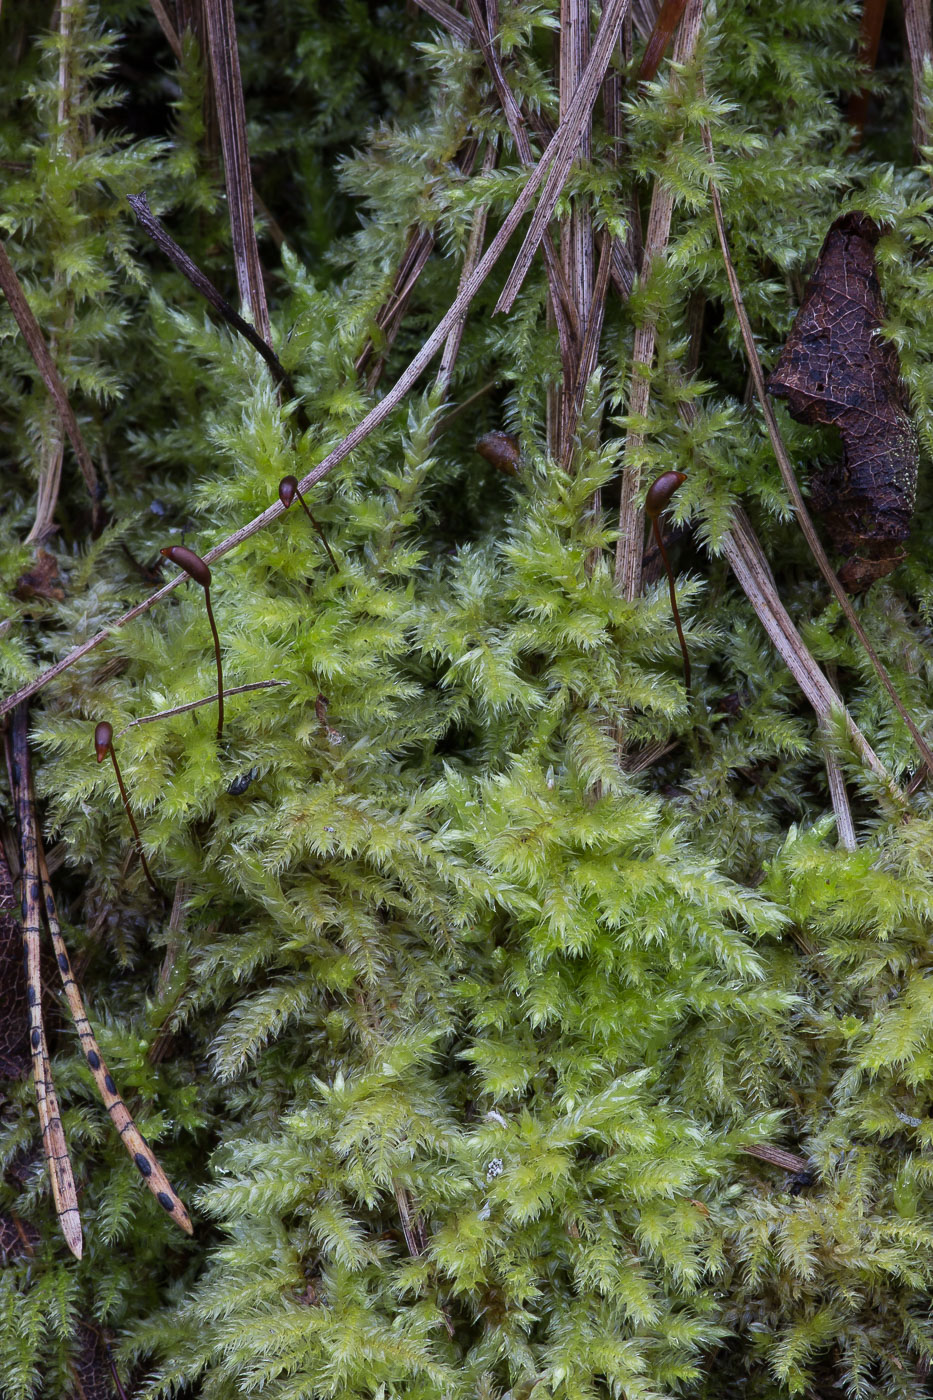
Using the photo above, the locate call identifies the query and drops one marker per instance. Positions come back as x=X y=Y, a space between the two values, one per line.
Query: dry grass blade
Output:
x=562 y=151
x=576 y=229
x=789 y=478
x=32 y=334
x=747 y=560
x=630 y=544
x=839 y=798
x=777 y=1157
x=377 y=415
x=447 y=16
x=231 y=113
x=61 y=1176
x=920 y=44
x=565 y=311
x=474 y=251
x=389 y=316
x=202 y=284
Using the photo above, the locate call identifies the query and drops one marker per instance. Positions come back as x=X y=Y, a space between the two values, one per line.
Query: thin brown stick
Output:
x=659 y=38
x=168 y=28
x=839 y=797
x=32 y=334
x=590 y=348
x=747 y=560
x=196 y=704
x=377 y=415
x=787 y=471
x=231 y=114
x=869 y=38
x=203 y=285
x=389 y=316
x=920 y=45
x=631 y=539
x=576 y=229
x=777 y=1157
x=562 y=151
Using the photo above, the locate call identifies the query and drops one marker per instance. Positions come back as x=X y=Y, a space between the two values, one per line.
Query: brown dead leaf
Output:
x=42 y=580
x=836 y=369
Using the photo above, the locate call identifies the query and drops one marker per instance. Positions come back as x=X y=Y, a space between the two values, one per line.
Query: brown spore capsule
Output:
x=502 y=450
x=192 y=563
x=288 y=490
x=660 y=493
x=103 y=738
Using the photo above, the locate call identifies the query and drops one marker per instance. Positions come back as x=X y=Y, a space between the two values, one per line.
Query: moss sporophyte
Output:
x=195 y=567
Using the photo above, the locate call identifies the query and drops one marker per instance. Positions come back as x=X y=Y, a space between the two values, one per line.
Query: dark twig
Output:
x=180 y=259
x=142 y=1155
x=446 y=15
x=920 y=44
x=196 y=704
x=568 y=323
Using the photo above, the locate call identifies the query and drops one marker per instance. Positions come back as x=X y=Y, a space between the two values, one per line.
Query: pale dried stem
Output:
x=562 y=151
x=562 y=303
x=445 y=14
x=50 y=479
x=32 y=334
x=588 y=352
x=845 y=826
x=231 y=112
x=747 y=560
x=788 y=475
x=565 y=135
x=631 y=541
x=474 y=251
